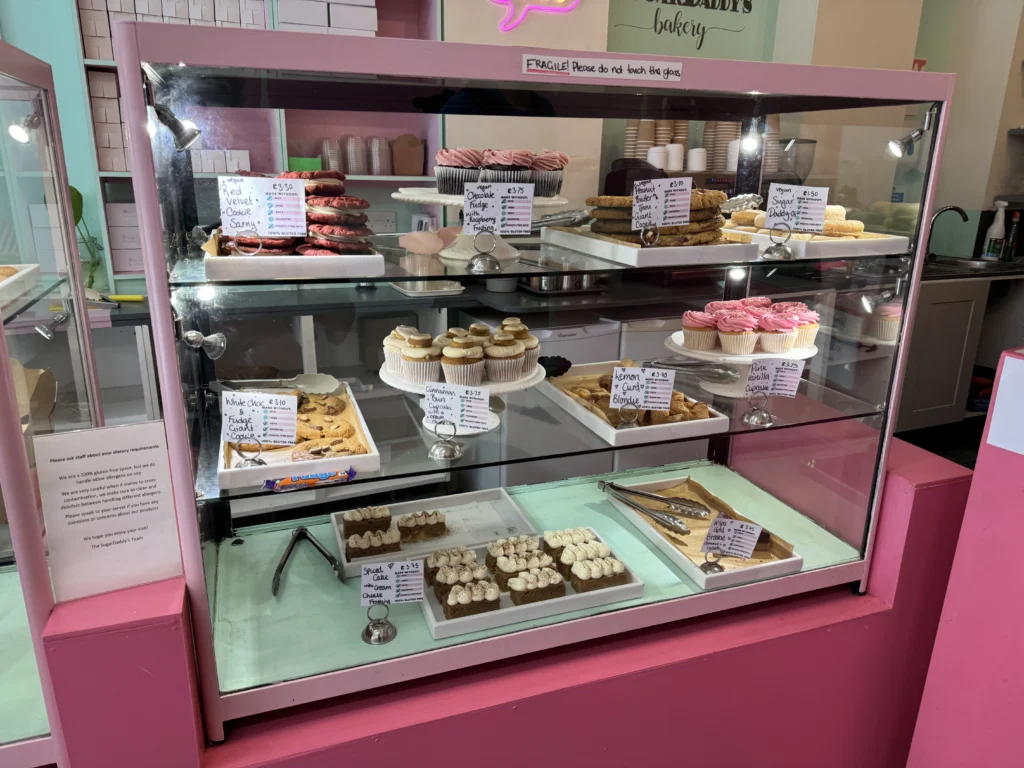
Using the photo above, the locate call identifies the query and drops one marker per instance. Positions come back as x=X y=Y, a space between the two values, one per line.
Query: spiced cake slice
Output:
x=573 y=553
x=600 y=573
x=372 y=543
x=535 y=585
x=470 y=599
x=356 y=522
x=449 y=575
x=454 y=556
x=514 y=546
x=422 y=526
x=555 y=541
x=506 y=568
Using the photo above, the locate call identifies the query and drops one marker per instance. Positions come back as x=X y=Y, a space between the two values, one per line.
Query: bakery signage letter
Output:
x=667 y=19
x=614 y=69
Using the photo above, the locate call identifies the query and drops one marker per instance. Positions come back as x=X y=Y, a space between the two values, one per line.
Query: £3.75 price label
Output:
x=389 y=583
x=642 y=388
x=774 y=377
x=504 y=209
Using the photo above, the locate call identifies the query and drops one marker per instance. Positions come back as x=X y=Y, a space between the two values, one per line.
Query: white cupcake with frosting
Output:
x=463 y=362
x=421 y=359
x=530 y=343
x=504 y=358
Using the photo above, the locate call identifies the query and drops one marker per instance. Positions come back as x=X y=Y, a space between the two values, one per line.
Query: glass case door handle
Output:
x=49 y=330
x=213 y=345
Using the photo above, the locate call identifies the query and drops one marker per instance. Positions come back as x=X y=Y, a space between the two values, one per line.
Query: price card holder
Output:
x=797 y=207
x=268 y=207
x=465 y=407
x=503 y=209
x=734 y=538
x=774 y=377
x=662 y=202
x=390 y=583
x=249 y=416
x=642 y=388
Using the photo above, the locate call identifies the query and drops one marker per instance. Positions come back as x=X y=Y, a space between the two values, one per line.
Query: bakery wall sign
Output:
x=687 y=20
x=516 y=11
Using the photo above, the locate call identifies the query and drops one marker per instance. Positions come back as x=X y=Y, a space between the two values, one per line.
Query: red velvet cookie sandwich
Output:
x=335 y=210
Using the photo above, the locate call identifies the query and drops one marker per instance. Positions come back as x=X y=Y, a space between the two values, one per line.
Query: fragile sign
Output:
x=268 y=207
x=615 y=69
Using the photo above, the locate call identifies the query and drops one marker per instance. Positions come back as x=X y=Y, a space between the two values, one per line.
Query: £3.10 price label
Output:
x=797 y=207
x=465 y=407
x=268 y=207
x=648 y=389
x=735 y=538
x=661 y=202
x=389 y=583
x=249 y=416
x=774 y=377
x=504 y=209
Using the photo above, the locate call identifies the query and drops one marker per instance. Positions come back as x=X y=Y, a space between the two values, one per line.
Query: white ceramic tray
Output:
x=717 y=423
x=430 y=196
x=493 y=387
x=17 y=284
x=473 y=518
x=893 y=245
x=293 y=267
x=631 y=255
x=508 y=613
x=280 y=465
x=706 y=580
x=454 y=290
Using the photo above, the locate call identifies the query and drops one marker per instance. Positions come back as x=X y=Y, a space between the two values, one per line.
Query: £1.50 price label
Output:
x=796 y=207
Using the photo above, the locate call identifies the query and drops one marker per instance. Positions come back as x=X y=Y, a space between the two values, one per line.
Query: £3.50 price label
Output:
x=735 y=538
x=268 y=207
x=269 y=418
x=661 y=202
x=798 y=207
x=642 y=388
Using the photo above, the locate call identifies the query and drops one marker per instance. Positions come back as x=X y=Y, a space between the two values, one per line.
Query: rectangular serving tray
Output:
x=279 y=464
x=631 y=255
x=706 y=581
x=508 y=613
x=17 y=284
x=893 y=245
x=292 y=267
x=717 y=423
x=473 y=518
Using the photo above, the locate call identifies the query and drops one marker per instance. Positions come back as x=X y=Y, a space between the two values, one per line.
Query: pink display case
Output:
x=805 y=468
x=48 y=384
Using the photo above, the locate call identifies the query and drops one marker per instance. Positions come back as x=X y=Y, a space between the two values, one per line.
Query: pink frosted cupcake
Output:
x=778 y=332
x=806 y=328
x=506 y=166
x=884 y=323
x=456 y=167
x=787 y=306
x=548 y=168
x=738 y=332
x=723 y=306
x=762 y=302
x=700 y=331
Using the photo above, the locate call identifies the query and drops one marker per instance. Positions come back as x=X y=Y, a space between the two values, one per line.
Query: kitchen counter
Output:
x=946 y=271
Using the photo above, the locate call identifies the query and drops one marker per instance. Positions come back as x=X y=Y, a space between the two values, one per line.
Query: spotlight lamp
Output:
x=905 y=146
x=185 y=132
x=22 y=131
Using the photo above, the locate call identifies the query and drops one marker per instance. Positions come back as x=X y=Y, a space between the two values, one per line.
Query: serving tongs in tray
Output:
x=679 y=506
x=711 y=372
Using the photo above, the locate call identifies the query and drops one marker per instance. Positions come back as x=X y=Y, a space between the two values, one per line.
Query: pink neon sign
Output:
x=519 y=9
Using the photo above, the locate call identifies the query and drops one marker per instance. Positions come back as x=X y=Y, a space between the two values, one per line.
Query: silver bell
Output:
x=778 y=250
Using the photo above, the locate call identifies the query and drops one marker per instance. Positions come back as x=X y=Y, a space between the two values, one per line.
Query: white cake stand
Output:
x=742 y=363
x=430 y=196
x=494 y=387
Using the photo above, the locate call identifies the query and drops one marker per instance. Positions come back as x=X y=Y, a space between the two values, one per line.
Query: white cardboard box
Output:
x=92 y=5
x=175 y=20
x=210 y=159
x=351 y=32
x=43 y=215
x=123 y=6
x=94 y=23
x=102 y=85
x=174 y=9
x=111 y=159
x=197 y=160
x=148 y=8
x=201 y=23
x=254 y=12
x=235 y=24
x=237 y=160
x=227 y=10
x=122 y=215
x=201 y=10
x=220 y=161
x=120 y=16
x=302 y=27
x=98 y=48
x=307 y=12
x=353 y=16
x=152 y=18
x=126 y=259
x=108 y=134
x=124 y=238
x=106 y=111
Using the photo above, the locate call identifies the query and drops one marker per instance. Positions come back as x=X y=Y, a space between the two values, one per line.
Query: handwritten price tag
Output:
x=504 y=209
x=775 y=377
x=799 y=207
x=645 y=388
x=731 y=537
x=270 y=207
x=390 y=583
x=269 y=418
x=466 y=407
x=661 y=202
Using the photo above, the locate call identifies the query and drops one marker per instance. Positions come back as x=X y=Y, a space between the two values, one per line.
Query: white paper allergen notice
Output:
x=389 y=583
x=644 y=388
x=775 y=377
x=503 y=209
x=269 y=418
x=731 y=537
x=465 y=407
x=268 y=207
x=108 y=508
x=661 y=202
x=800 y=208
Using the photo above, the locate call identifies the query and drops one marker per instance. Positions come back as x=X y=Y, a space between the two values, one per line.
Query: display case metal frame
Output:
x=778 y=87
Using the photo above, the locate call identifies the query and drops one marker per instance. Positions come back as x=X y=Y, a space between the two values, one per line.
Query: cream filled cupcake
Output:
x=700 y=331
x=479 y=333
x=421 y=359
x=504 y=358
x=737 y=331
x=778 y=332
x=463 y=362
x=393 y=346
x=522 y=334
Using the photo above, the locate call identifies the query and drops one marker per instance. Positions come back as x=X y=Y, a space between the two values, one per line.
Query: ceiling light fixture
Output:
x=22 y=131
x=185 y=131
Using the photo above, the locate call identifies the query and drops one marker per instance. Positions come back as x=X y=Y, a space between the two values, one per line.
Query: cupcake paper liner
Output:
x=778 y=342
x=884 y=328
x=547 y=183
x=506 y=177
x=452 y=180
x=738 y=343
x=421 y=373
x=504 y=368
x=393 y=361
x=700 y=338
x=530 y=360
x=849 y=325
x=466 y=374
x=805 y=336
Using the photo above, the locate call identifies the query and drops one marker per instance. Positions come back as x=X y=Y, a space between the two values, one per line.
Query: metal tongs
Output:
x=624 y=496
x=679 y=506
x=713 y=372
x=303 y=532
x=561 y=219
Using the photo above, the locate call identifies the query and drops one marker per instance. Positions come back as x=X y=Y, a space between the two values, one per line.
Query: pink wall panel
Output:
x=406 y=18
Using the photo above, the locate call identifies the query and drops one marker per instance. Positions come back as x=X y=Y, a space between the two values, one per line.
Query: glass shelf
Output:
x=15 y=307
x=540 y=429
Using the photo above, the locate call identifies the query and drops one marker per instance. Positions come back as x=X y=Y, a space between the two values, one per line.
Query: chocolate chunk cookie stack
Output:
x=614 y=219
x=336 y=222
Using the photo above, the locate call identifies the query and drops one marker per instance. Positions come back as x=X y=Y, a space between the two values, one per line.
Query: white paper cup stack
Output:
x=697 y=160
x=732 y=161
x=718 y=150
x=658 y=157
x=644 y=139
x=663 y=132
x=676 y=157
x=629 y=143
x=681 y=132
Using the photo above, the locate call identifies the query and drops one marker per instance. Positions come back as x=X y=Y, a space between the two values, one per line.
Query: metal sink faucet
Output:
x=931 y=226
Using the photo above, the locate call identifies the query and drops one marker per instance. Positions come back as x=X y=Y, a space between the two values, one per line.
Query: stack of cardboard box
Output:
x=46 y=236
x=351 y=17
x=125 y=238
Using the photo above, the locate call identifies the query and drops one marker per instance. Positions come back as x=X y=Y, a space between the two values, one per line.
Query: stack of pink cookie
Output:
x=739 y=326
